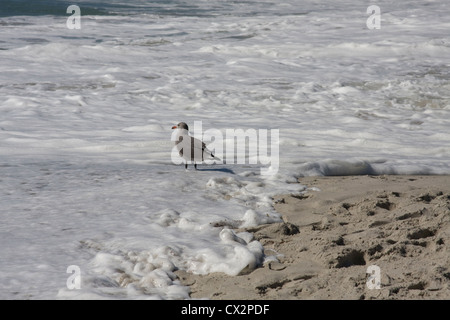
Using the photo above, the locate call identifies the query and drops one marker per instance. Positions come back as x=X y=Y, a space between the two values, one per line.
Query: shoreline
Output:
x=329 y=238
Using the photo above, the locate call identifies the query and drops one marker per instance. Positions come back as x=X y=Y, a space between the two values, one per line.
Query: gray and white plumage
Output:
x=189 y=148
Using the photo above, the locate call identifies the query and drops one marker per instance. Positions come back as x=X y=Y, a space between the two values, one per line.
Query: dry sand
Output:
x=330 y=237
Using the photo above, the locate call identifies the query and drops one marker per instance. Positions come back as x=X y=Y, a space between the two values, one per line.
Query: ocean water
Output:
x=89 y=191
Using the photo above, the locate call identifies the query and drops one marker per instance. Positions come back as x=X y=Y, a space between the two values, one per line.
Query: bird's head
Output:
x=181 y=125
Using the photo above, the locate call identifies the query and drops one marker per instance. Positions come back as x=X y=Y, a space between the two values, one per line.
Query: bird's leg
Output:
x=185 y=165
x=195 y=166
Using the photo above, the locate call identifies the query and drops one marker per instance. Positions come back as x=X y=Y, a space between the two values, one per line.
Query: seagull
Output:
x=190 y=148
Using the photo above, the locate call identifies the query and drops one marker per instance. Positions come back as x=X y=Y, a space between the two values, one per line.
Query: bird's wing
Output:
x=209 y=152
x=192 y=149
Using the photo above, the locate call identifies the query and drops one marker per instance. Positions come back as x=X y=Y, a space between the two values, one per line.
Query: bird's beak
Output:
x=174 y=127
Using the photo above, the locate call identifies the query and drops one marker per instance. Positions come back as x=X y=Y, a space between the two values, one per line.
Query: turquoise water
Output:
x=11 y=8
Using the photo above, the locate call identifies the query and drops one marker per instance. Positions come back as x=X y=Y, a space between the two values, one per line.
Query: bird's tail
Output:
x=213 y=157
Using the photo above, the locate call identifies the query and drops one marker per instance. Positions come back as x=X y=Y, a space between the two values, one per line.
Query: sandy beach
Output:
x=397 y=228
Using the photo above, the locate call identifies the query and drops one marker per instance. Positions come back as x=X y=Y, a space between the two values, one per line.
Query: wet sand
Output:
x=349 y=237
